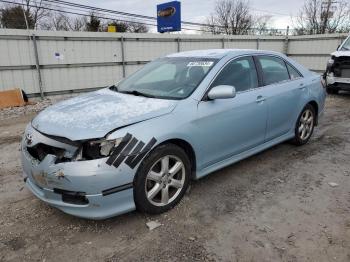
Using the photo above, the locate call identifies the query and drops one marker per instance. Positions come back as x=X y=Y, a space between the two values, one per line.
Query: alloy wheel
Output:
x=165 y=180
x=306 y=124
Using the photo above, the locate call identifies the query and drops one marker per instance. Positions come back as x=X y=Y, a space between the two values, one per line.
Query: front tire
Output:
x=162 y=179
x=304 y=126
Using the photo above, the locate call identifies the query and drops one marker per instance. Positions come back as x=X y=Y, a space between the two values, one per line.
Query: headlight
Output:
x=99 y=148
x=107 y=146
x=330 y=62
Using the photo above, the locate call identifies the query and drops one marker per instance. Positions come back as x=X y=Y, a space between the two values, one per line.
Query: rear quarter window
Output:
x=293 y=73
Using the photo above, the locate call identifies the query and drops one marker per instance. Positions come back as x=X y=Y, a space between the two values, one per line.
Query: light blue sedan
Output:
x=138 y=144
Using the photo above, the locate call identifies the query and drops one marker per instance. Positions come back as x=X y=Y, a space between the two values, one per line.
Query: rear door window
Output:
x=274 y=69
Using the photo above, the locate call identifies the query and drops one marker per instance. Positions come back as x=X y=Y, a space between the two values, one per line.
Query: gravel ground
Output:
x=35 y=105
x=279 y=205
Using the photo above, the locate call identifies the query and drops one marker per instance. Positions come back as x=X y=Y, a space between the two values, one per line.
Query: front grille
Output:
x=72 y=197
x=40 y=151
x=345 y=73
x=341 y=66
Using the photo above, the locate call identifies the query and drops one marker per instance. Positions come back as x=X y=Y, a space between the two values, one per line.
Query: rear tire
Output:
x=162 y=179
x=304 y=126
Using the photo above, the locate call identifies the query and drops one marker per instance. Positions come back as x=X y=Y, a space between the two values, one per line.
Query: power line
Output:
x=70 y=8
x=97 y=9
x=270 y=12
x=73 y=13
x=88 y=15
x=100 y=9
x=91 y=9
x=60 y=5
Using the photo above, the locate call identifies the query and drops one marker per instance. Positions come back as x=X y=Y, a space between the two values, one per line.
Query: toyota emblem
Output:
x=29 y=138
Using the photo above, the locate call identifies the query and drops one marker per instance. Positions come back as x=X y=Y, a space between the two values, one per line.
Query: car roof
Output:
x=220 y=53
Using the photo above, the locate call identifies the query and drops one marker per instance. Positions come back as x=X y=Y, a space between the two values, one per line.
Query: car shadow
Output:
x=344 y=94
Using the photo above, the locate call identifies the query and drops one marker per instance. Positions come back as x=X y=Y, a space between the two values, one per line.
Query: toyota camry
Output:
x=139 y=143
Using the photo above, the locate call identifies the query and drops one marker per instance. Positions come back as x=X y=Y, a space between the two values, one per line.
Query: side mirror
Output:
x=222 y=92
x=338 y=47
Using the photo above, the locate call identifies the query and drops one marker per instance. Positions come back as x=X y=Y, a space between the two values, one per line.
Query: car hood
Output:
x=341 y=53
x=95 y=114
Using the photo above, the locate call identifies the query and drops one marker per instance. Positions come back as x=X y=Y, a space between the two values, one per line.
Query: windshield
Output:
x=168 y=78
x=346 y=45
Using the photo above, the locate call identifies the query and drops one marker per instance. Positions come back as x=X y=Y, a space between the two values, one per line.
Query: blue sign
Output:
x=169 y=17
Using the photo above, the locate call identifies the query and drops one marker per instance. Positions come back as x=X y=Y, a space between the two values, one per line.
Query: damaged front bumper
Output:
x=89 y=189
x=98 y=207
x=337 y=73
x=331 y=79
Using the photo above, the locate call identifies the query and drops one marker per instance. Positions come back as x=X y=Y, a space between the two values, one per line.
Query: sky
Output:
x=197 y=10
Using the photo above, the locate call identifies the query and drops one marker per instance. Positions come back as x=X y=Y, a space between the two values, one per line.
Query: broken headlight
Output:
x=330 y=62
x=98 y=148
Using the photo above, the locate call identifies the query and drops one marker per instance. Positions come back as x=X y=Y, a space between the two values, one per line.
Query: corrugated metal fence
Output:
x=53 y=62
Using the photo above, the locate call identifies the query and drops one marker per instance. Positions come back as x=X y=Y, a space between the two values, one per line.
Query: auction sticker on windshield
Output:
x=201 y=63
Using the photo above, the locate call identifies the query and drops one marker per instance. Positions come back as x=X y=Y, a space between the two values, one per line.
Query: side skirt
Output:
x=243 y=155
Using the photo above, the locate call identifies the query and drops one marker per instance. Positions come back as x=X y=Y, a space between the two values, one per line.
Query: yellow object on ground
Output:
x=10 y=98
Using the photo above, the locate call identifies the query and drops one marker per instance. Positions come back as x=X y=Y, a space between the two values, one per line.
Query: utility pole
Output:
x=25 y=17
x=36 y=55
x=286 y=42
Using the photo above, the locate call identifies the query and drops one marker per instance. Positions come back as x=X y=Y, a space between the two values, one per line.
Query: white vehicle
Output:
x=337 y=73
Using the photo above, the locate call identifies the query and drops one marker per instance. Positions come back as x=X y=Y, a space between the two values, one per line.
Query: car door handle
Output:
x=302 y=86
x=260 y=99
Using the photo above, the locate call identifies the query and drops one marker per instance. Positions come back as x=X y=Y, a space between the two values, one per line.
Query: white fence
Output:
x=50 y=62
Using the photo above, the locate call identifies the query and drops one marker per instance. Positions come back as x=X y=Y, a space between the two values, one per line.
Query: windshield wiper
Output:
x=114 y=88
x=137 y=93
x=133 y=92
x=346 y=49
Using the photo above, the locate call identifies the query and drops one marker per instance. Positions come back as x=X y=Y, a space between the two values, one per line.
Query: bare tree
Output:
x=78 y=23
x=261 y=25
x=57 y=22
x=37 y=11
x=323 y=16
x=135 y=27
x=231 y=17
x=212 y=27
